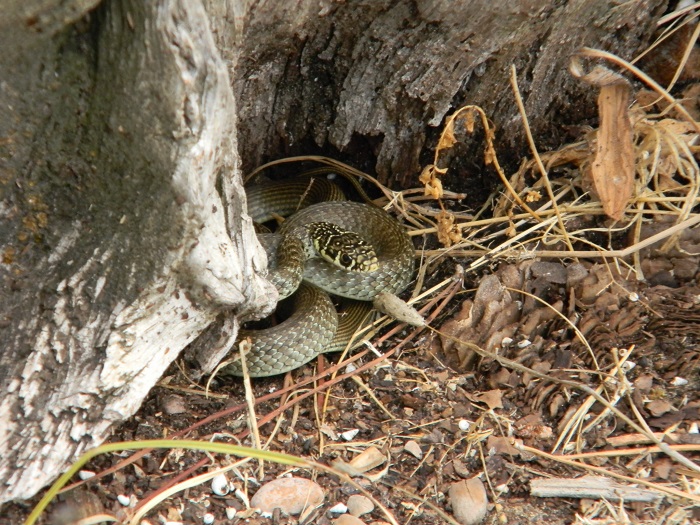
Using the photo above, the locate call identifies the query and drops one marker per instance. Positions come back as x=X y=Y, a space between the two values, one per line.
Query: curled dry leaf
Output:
x=447 y=231
x=447 y=139
x=433 y=185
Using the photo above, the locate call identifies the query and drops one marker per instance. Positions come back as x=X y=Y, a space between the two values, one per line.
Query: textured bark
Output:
x=376 y=78
x=124 y=234
x=119 y=183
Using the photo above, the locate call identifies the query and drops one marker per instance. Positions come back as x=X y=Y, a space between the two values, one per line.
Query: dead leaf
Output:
x=448 y=233
x=492 y=398
x=447 y=139
x=659 y=407
x=503 y=446
x=612 y=169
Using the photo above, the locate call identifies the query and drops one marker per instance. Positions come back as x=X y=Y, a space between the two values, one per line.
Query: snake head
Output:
x=344 y=248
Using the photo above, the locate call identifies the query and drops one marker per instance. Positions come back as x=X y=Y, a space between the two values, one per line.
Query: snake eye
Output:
x=345 y=259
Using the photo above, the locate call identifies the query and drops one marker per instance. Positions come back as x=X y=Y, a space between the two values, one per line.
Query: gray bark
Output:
x=121 y=185
x=124 y=233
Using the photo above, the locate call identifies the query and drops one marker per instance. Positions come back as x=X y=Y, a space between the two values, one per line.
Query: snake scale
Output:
x=314 y=327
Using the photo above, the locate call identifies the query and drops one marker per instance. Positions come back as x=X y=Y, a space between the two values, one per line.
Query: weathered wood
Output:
x=124 y=234
x=591 y=487
x=122 y=231
x=377 y=79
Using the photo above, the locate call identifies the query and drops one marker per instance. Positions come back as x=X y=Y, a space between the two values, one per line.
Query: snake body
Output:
x=313 y=327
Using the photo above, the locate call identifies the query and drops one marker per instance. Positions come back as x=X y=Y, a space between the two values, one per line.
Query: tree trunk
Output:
x=124 y=232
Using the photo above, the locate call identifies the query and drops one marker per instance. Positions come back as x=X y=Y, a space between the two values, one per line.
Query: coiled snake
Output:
x=313 y=327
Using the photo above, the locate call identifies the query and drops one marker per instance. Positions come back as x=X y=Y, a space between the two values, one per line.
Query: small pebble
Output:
x=124 y=500
x=469 y=501
x=340 y=508
x=347 y=519
x=230 y=513
x=86 y=474
x=359 y=505
x=349 y=435
x=679 y=381
x=290 y=495
x=414 y=449
x=208 y=518
x=464 y=425
x=174 y=404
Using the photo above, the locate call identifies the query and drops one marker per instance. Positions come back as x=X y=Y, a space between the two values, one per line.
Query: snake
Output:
x=352 y=250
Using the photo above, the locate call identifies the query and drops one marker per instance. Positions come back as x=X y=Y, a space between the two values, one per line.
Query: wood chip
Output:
x=367 y=460
x=592 y=487
x=413 y=448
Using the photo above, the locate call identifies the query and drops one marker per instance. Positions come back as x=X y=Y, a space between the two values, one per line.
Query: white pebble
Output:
x=464 y=425
x=693 y=429
x=340 y=508
x=524 y=343
x=349 y=435
x=679 y=381
x=230 y=512
x=208 y=518
x=219 y=485
x=124 y=500
x=506 y=341
x=86 y=474
x=633 y=297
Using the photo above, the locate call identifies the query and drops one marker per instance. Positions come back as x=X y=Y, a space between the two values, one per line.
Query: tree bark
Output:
x=124 y=232
x=123 y=225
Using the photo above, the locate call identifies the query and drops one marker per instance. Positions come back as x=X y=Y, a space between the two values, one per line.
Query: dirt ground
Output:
x=464 y=414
